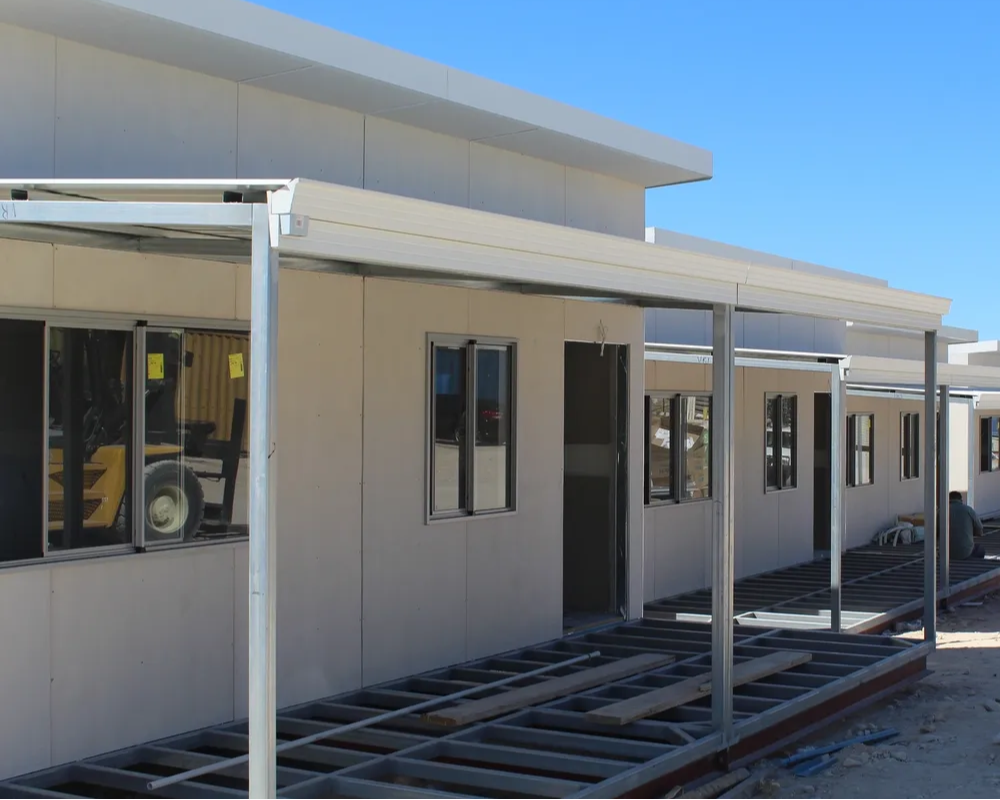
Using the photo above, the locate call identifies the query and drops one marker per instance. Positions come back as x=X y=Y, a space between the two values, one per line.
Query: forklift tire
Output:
x=173 y=509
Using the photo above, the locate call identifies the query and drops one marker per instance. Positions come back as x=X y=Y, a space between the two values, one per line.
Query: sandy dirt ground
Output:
x=949 y=724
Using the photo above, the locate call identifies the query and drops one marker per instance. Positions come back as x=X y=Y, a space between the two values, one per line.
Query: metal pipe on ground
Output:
x=208 y=769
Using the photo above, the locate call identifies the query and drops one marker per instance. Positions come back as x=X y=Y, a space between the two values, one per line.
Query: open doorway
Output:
x=822 y=467
x=595 y=484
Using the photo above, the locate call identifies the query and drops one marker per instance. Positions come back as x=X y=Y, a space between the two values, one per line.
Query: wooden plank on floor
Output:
x=497 y=705
x=691 y=689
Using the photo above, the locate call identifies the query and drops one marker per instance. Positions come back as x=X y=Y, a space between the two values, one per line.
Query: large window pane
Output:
x=660 y=461
x=196 y=474
x=89 y=438
x=492 y=471
x=22 y=438
x=908 y=446
x=449 y=401
x=994 y=444
x=865 y=452
x=789 y=456
x=771 y=428
x=697 y=447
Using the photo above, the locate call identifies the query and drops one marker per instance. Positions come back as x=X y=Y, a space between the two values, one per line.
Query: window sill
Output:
x=776 y=490
x=669 y=503
x=453 y=518
x=108 y=554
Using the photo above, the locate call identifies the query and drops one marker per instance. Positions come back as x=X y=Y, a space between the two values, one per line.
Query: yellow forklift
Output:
x=89 y=470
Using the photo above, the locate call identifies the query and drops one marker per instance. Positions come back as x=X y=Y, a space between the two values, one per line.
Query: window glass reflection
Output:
x=89 y=438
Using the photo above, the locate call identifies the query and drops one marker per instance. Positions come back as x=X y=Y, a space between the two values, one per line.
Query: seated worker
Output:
x=964 y=524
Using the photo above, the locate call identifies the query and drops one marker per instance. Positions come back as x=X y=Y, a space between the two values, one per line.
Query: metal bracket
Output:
x=296 y=225
x=293 y=224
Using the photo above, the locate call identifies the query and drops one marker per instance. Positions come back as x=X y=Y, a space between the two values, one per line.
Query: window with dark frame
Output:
x=909 y=446
x=989 y=444
x=860 y=450
x=471 y=427
x=143 y=444
x=781 y=442
x=678 y=447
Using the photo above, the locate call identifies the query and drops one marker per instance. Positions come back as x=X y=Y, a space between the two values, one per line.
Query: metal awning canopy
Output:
x=332 y=227
x=904 y=373
x=749 y=358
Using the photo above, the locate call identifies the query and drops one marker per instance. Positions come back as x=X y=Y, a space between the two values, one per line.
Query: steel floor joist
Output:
x=880 y=586
x=549 y=750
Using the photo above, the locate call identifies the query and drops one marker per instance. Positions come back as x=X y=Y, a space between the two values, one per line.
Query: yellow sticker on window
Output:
x=236 y=366
x=154 y=366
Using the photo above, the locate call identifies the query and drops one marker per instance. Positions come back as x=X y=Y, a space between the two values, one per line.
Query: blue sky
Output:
x=857 y=134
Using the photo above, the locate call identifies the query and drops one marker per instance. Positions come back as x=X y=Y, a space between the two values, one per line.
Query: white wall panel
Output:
x=679 y=326
x=133 y=283
x=513 y=600
x=987 y=494
x=27 y=274
x=415 y=574
x=123 y=117
x=241 y=630
x=74 y=111
x=874 y=507
x=681 y=536
x=27 y=91
x=773 y=529
x=142 y=647
x=606 y=205
x=413 y=162
x=319 y=484
x=762 y=331
x=519 y=186
x=285 y=137
x=958 y=446
x=25 y=724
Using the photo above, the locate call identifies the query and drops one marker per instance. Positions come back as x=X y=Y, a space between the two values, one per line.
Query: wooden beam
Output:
x=691 y=689
x=499 y=704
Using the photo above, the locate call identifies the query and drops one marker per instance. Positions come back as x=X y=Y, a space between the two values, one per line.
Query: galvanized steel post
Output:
x=930 y=486
x=944 y=529
x=723 y=483
x=838 y=408
x=263 y=483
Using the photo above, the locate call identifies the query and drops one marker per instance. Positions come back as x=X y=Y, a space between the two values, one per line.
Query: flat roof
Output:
x=244 y=42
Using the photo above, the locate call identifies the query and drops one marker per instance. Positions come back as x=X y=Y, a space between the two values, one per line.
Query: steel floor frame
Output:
x=550 y=750
x=880 y=586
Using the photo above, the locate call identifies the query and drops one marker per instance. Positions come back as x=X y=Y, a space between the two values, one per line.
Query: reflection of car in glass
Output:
x=450 y=425
x=488 y=426
x=175 y=504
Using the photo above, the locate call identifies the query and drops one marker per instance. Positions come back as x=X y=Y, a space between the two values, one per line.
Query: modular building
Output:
x=783 y=383
x=229 y=486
